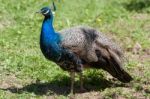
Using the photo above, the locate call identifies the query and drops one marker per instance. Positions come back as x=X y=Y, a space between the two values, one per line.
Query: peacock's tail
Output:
x=111 y=61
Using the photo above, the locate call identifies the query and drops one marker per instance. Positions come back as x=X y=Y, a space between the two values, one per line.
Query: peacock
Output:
x=80 y=47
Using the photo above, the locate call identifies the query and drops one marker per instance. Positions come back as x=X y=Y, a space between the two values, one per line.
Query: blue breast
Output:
x=50 y=41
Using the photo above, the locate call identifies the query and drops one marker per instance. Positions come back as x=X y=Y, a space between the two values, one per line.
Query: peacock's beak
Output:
x=38 y=12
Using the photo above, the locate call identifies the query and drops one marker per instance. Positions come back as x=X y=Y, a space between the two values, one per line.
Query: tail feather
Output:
x=112 y=63
x=115 y=65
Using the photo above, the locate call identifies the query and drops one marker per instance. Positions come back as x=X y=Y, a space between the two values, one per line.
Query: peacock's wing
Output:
x=74 y=40
x=84 y=41
x=96 y=49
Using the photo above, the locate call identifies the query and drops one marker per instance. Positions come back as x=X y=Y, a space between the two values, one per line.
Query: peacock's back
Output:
x=84 y=41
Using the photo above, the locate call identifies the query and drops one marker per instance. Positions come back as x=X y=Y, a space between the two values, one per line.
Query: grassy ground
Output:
x=25 y=73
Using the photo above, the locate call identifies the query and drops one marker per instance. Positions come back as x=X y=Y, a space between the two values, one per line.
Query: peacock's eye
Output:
x=45 y=12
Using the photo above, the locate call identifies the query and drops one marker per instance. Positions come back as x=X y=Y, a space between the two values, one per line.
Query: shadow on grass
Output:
x=137 y=5
x=62 y=86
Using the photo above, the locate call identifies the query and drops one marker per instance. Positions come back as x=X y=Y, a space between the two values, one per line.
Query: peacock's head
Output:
x=48 y=12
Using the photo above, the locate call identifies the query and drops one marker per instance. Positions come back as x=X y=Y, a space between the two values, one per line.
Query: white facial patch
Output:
x=53 y=12
x=46 y=12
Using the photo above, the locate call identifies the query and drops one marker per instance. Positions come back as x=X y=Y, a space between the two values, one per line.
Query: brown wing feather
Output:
x=97 y=50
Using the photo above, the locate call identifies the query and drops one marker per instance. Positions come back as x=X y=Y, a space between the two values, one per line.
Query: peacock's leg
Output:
x=81 y=81
x=72 y=75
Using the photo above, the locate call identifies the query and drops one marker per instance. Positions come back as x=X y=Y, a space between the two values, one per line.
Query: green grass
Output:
x=22 y=64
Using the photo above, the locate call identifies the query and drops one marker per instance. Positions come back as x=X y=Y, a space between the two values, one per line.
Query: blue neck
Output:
x=48 y=34
x=50 y=40
x=48 y=31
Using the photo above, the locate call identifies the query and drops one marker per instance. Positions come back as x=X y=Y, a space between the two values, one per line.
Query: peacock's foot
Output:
x=71 y=96
x=82 y=90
